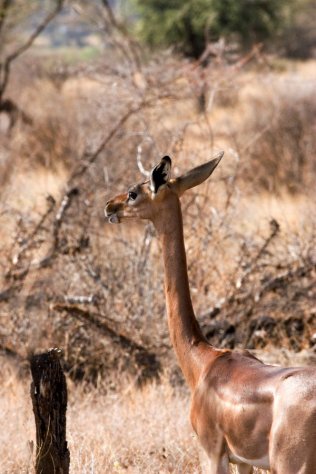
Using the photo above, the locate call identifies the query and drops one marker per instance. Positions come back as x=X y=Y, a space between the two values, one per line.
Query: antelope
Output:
x=243 y=411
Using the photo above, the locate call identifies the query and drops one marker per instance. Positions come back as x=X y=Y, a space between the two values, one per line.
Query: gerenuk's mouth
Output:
x=112 y=218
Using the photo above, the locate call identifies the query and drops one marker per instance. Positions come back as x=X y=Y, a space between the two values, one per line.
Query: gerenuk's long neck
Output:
x=191 y=348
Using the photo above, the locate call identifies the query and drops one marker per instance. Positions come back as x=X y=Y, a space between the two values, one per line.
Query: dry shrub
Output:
x=50 y=144
x=96 y=291
x=53 y=140
x=133 y=431
x=278 y=135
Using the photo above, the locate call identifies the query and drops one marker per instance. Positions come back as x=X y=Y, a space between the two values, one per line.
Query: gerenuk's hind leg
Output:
x=216 y=452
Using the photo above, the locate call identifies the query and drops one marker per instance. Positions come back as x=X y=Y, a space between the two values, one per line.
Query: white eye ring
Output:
x=132 y=195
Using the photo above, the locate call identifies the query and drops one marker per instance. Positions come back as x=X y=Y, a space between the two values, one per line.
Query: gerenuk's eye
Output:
x=132 y=195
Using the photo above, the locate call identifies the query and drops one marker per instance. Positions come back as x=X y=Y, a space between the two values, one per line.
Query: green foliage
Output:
x=188 y=24
x=298 y=39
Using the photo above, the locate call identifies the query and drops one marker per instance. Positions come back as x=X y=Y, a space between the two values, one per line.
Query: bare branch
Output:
x=6 y=294
x=80 y=299
x=90 y=158
x=274 y=231
x=99 y=322
x=65 y=203
x=121 y=28
x=29 y=240
x=139 y=162
x=6 y=65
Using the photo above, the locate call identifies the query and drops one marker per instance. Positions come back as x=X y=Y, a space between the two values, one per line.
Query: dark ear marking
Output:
x=160 y=174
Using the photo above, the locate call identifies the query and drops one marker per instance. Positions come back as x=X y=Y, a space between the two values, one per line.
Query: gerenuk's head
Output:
x=146 y=200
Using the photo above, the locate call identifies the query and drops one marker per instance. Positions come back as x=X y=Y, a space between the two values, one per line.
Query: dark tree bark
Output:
x=49 y=398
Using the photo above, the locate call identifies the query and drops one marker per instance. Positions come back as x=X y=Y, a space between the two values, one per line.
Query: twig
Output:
x=145 y=248
x=28 y=240
x=91 y=158
x=64 y=205
x=121 y=28
x=237 y=295
x=12 y=353
x=94 y=320
x=78 y=299
x=139 y=162
x=275 y=228
x=279 y=281
x=6 y=294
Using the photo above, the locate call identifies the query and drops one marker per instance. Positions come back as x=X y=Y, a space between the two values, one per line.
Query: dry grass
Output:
x=130 y=430
x=137 y=431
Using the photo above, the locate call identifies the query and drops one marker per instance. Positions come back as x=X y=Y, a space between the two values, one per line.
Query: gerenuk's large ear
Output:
x=196 y=176
x=160 y=174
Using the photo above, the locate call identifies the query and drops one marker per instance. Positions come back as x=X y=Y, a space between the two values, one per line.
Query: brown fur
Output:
x=242 y=410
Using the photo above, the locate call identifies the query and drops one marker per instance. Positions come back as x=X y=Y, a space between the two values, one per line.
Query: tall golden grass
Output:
x=131 y=430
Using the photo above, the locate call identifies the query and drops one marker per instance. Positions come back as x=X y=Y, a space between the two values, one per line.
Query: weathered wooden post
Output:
x=49 y=398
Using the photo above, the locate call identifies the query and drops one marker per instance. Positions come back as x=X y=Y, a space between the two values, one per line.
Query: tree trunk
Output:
x=49 y=398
